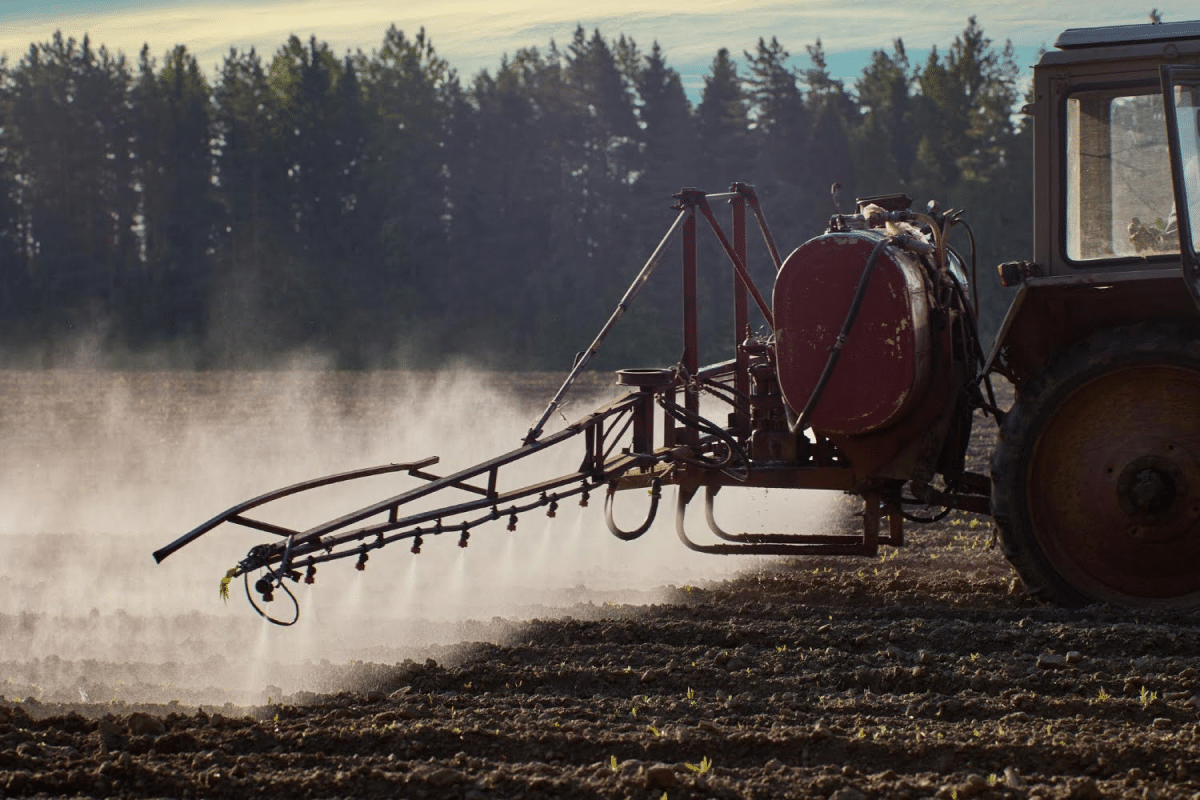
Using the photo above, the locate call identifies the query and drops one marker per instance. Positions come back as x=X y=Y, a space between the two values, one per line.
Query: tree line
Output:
x=379 y=209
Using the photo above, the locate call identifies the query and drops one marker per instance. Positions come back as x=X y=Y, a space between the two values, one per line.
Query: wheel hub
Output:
x=1152 y=491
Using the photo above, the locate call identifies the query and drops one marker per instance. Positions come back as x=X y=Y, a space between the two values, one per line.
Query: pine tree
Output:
x=69 y=116
x=885 y=145
x=404 y=87
x=723 y=123
x=782 y=134
x=177 y=211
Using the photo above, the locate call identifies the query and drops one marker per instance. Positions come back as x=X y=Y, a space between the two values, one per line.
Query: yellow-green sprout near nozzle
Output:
x=225 y=583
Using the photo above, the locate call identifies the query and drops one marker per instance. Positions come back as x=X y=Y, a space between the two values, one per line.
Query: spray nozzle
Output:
x=552 y=511
x=416 y=548
x=583 y=498
x=362 y=560
x=462 y=539
x=310 y=575
x=264 y=587
x=512 y=521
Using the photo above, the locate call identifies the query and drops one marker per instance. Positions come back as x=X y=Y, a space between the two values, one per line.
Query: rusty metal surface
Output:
x=1050 y=314
x=1114 y=484
x=884 y=368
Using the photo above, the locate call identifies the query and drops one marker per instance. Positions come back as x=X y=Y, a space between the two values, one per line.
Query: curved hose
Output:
x=264 y=614
x=681 y=414
x=629 y=536
x=835 y=352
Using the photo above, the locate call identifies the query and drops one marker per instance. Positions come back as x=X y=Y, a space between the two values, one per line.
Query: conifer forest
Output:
x=379 y=209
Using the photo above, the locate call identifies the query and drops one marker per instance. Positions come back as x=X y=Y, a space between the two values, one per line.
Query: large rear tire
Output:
x=1096 y=476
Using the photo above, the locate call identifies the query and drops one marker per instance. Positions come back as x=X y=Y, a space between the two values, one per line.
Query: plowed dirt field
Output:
x=925 y=672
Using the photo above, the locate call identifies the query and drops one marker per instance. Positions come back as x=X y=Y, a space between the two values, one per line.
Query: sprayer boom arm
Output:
x=234 y=515
x=601 y=428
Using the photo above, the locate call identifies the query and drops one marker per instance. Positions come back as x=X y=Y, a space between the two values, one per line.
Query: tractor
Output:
x=867 y=372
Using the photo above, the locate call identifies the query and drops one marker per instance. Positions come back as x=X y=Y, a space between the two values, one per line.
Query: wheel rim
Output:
x=1114 y=486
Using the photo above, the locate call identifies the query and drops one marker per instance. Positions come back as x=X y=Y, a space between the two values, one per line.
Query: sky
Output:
x=474 y=34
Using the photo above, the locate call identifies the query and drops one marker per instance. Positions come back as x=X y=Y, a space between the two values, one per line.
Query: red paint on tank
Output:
x=884 y=366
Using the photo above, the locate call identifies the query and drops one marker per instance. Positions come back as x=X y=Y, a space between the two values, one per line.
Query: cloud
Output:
x=474 y=34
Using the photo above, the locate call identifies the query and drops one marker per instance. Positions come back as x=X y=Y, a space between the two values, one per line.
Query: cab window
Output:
x=1118 y=176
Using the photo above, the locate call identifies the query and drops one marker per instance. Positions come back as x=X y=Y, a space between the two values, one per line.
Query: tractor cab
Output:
x=1106 y=249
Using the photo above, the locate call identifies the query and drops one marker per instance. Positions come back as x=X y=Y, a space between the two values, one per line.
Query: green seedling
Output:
x=225 y=583
x=704 y=766
x=612 y=763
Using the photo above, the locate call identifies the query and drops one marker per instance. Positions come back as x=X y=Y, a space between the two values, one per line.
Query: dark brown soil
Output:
x=924 y=672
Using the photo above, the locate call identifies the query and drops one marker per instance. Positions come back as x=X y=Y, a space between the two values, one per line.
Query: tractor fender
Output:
x=1051 y=314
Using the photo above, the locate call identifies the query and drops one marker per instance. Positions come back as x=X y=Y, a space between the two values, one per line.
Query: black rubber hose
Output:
x=835 y=352
x=703 y=425
x=264 y=614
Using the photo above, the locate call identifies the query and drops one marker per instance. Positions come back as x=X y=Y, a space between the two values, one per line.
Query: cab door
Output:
x=1181 y=101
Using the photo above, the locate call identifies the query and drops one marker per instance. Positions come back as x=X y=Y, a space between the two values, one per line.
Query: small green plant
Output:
x=612 y=763
x=657 y=733
x=1102 y=696
x=1147 y=697
x=225 y=583
x=781 y=648
x=691 y=696
x=704 y=766
x=974 y=657
x=993 y=779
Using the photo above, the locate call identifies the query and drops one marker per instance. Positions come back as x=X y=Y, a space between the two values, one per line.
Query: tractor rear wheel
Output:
x=1096 y=477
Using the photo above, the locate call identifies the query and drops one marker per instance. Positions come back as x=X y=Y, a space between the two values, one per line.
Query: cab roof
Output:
x=1163 y=42
x=1127 y=34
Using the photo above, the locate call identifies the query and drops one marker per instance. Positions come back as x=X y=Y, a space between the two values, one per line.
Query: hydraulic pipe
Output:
x=536 y=430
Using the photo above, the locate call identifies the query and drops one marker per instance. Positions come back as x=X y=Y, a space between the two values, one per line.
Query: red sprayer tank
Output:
x=884 y=369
